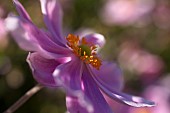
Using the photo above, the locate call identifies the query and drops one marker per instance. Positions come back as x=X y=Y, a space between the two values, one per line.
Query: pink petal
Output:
x=21 y=36
x=109 y=75
x=78 y=104
x=53 y=18
x=69 y=74
x=122 y=97
x=30 y=38
x=43 y=68
x=44 y=41
x=96 y=39
x=90 y=101
x=130 y=100
x=21 y=10
x=24 y=38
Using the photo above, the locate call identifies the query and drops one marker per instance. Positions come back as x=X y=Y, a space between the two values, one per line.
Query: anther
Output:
x=86 y=51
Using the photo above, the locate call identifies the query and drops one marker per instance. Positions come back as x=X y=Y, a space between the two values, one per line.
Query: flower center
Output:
x=84 y=50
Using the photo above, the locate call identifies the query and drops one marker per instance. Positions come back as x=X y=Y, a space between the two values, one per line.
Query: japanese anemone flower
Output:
x=71 y=62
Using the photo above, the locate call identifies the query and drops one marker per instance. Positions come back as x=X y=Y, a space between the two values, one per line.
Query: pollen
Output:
x=84 y=50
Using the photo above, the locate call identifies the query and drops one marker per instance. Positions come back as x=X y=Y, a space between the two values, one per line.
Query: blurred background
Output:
x=137 y=36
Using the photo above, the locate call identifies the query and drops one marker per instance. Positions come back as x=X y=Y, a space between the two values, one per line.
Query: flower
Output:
x=137 y=60
x=126 y=12
x=70 y=62
x=161 y=16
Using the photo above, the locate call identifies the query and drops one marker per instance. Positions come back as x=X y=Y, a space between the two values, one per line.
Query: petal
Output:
x=122 y=97
x=22 y=12
x=96 y=39
x=69 y=76
x=30 y=38
x=21 y=36
x=92 y=95
x=35 y=32
x=130 y=100
x=24 y=39
x=44 y=41
x=110 y=75
x=78 y=104
x=53 y=17
x=43 y=68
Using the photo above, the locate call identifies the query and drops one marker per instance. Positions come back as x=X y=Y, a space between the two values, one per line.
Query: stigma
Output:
x=84 y=50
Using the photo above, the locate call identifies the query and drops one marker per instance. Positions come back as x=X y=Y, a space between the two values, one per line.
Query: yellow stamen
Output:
x=84 y=50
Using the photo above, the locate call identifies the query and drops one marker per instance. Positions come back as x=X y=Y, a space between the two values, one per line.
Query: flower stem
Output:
x=24 y=98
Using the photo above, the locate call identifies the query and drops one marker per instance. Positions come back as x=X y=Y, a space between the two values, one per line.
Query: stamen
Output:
x=84 y=50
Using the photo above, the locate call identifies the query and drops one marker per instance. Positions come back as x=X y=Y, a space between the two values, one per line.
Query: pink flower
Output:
x=70 y=62
x=126 y=12
x=139 y=61
x=161 y=15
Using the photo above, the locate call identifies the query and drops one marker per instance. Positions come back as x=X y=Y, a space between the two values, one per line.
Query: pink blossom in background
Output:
x=161 y=15
x=137 y=60
x=126 y=12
